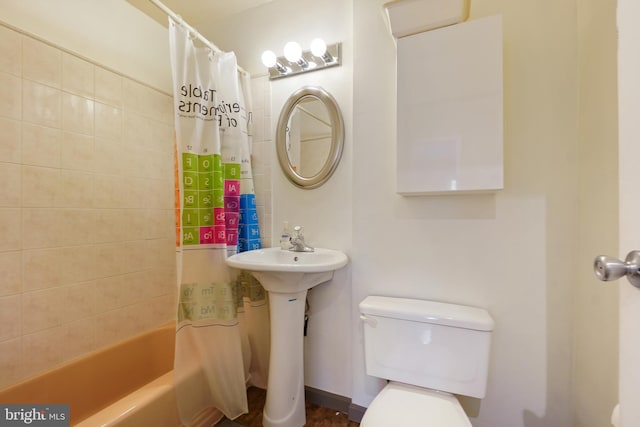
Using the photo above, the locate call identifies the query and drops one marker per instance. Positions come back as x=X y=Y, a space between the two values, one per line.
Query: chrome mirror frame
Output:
x=337 y=137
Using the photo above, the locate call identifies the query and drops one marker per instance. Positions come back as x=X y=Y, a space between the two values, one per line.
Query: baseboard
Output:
x=356 y=412
x=327 y=400
x=334 y=401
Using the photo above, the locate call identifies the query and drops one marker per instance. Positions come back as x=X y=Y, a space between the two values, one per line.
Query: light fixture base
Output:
x=332 y=58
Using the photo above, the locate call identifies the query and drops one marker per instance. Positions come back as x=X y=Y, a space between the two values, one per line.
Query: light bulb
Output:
x=268 y=58
x=318 y=47
x=292 y=51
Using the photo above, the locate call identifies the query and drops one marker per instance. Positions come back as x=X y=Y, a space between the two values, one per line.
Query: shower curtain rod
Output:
x=192 y=30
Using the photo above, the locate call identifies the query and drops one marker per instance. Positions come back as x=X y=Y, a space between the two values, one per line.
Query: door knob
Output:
x=609 y=268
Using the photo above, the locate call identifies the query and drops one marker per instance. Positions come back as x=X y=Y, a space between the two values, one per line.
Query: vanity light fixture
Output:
x=270 y=60
x=293 y=53
x=296 y=61
x=319 y=48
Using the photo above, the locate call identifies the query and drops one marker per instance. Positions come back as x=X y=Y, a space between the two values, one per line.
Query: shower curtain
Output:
x=221 y=335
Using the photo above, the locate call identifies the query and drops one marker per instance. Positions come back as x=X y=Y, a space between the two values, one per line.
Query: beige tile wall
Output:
x=262 y=150
x=86 y=207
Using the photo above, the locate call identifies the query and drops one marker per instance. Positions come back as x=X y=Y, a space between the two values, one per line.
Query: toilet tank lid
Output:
x=439 y=313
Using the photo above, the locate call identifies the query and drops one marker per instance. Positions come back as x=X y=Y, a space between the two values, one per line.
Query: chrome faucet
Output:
x=297 y=241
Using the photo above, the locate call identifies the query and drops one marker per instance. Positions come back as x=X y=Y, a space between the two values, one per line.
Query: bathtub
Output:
x=127 y=384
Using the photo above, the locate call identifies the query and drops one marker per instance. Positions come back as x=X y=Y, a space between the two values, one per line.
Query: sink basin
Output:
x=276 y=259
x=287 y=276
x=284 y=271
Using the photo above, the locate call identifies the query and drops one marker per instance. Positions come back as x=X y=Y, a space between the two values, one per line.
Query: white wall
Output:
x=511 y=252
x=325 y=212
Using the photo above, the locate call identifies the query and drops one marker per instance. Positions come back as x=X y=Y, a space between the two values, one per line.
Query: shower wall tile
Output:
x=261 y=149
x=108 y=122
x=10 y=177
x=10 y=140
x=10 y=361
x=87 y=253
x=108 y=87
x=10 y=96
x=77 y=114
x=77 y=76
x=41 y=63
x=47 y=268
x=79 y=338
x=41 y=146
x=144 y=100
x=80 y=301
x=78 y=152
x=10 y=51
x=42 y=350
x=51 y=228
x=10 y=317
x=109 y=157
x=76 y=189
x=42 y=310
x=40 y=186
x=41 y=104
x=11 y=273
x=10 y=229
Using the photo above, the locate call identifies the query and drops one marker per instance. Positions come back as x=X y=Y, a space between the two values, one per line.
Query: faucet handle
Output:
x=298 y=231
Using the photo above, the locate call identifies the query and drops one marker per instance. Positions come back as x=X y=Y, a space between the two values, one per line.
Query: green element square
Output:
x=191 y=199
x=205 y=181
x=206 y=301
x=190 y=217
x=190 y=236
x=205 y=216
x=205 y=199
x=217 y=162
x=218 y=180
x=232 y=171
x=218 y=198
x=189 y=162
x=190 y=180
x=205 y=163
x=226 y=310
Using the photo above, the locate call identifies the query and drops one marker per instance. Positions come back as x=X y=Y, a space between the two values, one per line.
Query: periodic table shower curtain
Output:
x=221 y=336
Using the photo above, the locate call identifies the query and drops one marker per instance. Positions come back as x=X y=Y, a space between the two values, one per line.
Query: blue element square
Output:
x=253 y=244
x=247 y=201
x=249 y=217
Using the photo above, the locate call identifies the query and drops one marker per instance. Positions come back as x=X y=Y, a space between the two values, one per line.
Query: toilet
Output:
x=428 y=351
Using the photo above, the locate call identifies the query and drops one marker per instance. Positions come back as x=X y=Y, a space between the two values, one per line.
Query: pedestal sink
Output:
x=287 y=276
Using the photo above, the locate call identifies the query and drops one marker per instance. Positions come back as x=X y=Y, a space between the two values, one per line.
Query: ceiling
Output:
x=197 y=13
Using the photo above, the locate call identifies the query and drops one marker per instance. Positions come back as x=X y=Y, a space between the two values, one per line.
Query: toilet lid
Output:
x=414 y=407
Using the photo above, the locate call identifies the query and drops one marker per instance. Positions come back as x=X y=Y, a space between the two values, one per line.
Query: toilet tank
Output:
x=428 y=344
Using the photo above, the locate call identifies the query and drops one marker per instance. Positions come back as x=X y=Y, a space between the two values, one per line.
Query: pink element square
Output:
x=232 y=204
x=232 y=237
x=218 y=216
x=233 y=219
x=206 y=235
x=232 y=187
x=219 y=234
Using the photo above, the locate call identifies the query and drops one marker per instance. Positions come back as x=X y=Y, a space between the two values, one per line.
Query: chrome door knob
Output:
x=609 y=268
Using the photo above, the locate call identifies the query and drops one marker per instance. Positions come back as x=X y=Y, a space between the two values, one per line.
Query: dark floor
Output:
x=316 y=415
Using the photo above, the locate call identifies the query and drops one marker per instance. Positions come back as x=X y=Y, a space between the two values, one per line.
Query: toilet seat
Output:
x=414 y=407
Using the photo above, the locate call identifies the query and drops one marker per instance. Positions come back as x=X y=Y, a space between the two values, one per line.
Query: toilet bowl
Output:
x=428 y=351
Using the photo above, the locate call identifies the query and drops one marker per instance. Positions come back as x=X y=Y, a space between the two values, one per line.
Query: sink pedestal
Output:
x=285 y=393
x=284 y=406
x=287 y=276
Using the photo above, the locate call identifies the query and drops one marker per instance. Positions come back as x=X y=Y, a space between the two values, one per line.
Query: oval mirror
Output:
x=309 y=137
